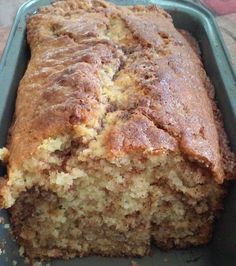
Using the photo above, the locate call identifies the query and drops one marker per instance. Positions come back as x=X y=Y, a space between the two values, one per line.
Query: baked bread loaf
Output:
x=116 y=140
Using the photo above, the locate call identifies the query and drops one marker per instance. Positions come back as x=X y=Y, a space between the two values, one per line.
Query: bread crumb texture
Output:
x=117 y=140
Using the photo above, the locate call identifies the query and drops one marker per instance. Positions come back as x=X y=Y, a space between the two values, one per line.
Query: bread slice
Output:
x=116 y=141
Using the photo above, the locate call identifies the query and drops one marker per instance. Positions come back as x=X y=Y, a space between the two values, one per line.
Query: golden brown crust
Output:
x=70 y=45
x=139 y=134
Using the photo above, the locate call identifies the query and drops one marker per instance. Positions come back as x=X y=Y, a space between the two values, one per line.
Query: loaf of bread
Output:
x=116 y=140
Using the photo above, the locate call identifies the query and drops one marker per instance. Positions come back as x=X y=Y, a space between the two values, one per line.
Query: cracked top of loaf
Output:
x=123 y=73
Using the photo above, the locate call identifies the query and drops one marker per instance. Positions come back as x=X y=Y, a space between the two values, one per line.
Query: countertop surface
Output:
x=224 y=12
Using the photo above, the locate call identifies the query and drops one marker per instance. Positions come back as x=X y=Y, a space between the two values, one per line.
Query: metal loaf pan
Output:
x=200 y=23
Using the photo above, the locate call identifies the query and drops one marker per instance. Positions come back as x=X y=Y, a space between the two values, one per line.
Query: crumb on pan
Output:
x=134 y=263
x=4 y=155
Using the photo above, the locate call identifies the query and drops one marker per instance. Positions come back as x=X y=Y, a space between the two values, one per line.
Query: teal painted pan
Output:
x=197 y=20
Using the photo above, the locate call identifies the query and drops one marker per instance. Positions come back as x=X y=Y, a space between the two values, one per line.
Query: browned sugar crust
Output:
x=61 y=87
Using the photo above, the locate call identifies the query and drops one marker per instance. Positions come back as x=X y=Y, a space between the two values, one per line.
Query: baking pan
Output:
x=200 y=23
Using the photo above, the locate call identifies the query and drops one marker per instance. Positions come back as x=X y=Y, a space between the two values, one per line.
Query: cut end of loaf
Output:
x=82 y=204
